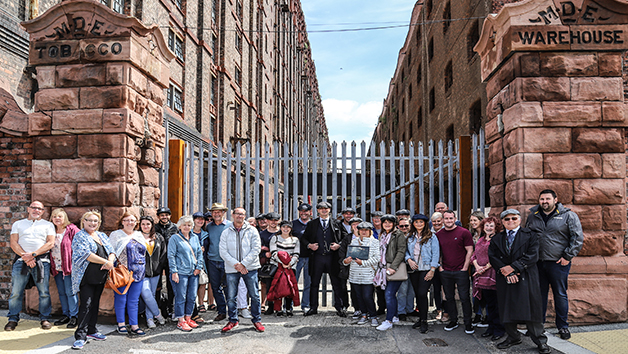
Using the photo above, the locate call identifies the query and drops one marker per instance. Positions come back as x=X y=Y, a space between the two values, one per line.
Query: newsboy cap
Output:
x=509 y=212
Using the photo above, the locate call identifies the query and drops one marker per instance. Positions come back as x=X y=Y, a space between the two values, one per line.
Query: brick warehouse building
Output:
x=242 y=72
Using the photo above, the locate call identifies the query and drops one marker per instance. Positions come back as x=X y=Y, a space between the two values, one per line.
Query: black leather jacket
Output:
x=156 y=262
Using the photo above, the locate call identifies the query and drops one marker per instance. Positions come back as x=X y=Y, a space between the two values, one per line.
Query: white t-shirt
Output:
x=32 y=234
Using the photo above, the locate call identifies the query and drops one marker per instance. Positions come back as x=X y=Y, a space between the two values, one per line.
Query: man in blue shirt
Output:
x=214 y=263
x=298 y=227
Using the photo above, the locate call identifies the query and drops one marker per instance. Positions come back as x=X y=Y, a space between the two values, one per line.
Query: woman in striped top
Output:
x=284 y=241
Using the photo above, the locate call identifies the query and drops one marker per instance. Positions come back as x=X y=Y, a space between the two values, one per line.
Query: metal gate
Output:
x=367 y=177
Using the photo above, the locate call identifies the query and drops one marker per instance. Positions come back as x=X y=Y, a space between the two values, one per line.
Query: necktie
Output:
x=324 y=224
x=511 y=238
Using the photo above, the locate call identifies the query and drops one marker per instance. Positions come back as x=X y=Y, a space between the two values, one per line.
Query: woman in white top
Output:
x=362 y=272
x=284 y=241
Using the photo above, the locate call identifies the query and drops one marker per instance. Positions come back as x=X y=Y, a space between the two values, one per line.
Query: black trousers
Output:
x=364 y=297
x=421 y=287
x=88 y=310
x=354 y=299
x=495 y=326
x=321 y=265
x=534 y=328
x=381 y=298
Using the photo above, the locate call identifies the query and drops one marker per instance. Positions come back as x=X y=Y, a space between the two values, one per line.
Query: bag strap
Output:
x=125 y=289
x=189 y=245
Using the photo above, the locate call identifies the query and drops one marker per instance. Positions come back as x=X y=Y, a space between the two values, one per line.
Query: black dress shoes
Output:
x=310 y=312
x=508 y=343
x=544 y=349
x=496 y=337
x=73 y=323
x=487 y=334
x=341 y=312
x=63 y=320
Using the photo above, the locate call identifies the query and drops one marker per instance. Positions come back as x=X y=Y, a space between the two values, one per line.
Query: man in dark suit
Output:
x=514 y=253
x=324 y=237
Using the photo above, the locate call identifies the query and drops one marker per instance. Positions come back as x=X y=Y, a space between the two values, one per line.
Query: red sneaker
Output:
x=191 y=323
x=229 y=326
x=259 y=327
x=184 y=326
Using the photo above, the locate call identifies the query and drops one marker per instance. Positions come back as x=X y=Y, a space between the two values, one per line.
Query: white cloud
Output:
x=350 y=120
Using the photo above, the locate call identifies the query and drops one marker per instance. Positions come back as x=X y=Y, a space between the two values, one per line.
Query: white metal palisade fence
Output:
x=278 y=177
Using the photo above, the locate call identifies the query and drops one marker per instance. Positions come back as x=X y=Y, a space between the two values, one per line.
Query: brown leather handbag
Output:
x=119 y=277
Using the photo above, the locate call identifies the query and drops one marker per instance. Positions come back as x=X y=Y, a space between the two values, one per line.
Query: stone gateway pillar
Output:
x=97 y=120
x=556 y=118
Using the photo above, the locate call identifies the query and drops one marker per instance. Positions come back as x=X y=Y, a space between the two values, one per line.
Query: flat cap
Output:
x=402 y=212
x=323 y=205
x=377 y=214
x=348 y=210
x=365 y=225
x=355 y=219
x=273 y=216
x=509 y=212
x=304 y=207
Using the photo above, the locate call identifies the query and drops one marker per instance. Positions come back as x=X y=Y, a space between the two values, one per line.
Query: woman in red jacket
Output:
x=61 y=267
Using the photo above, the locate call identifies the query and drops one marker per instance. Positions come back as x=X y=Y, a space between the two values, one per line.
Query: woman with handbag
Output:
x=156 y=258
x=185 y=259
x=92 y=258
x=284 y=241
x=391 y=270
x=203 y=279
x=422 y=257
x=130 y=248
x=61 y=267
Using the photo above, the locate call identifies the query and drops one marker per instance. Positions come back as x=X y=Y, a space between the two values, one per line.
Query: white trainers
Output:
x=150 y=323
x=395 y=319
x=161 y=319
x=374 y=322
x=245 y=313
x=386 y=325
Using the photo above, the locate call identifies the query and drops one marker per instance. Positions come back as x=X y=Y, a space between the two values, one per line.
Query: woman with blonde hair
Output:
x=92 y=258
x=130 y=248
x=61 y=267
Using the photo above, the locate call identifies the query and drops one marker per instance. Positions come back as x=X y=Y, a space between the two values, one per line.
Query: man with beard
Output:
x=166 y=228
x=298 y=228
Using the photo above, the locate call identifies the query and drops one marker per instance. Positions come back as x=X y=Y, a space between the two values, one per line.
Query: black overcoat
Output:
x=519 y=302
x=340 y=237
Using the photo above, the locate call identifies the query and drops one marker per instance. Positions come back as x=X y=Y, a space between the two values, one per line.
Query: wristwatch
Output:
x=34 y=254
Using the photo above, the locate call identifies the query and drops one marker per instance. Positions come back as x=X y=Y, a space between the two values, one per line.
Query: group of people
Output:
x=252 y=267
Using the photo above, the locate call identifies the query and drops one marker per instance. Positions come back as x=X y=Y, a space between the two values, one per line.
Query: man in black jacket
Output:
x=166 y=228
x=324 y=237
x=514 y=253
x=560 y=239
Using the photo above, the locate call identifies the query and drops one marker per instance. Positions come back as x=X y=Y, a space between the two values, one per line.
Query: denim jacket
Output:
x=180 y=257
x=430 y=252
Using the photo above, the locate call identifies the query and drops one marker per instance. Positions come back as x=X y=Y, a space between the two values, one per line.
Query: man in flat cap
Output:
x=347 y=214
x=213 y=260
x=514 y=253
x=323 y=237
x=298 y=228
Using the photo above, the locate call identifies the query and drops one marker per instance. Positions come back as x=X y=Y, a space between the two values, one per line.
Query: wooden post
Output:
x=466 y=180
x=176 y=163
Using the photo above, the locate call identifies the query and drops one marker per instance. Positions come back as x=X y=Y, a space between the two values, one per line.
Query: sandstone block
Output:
x=614 y=217
x=537 y=140
x=55 y=147
x=597 y=89
x=80 y=75
x=137 y=80
x=568 y=64
x=57 y=99
x=609 y=64
x=491 y=130
x=530 y=64
x=123 y=120
x=617 y=265
x=546 y=89
x=156 y=94
x=106 y=145
x=590 y=216
x=613 y=165
x=148 y=199
x=115 y=74
x=589 y=300
x=152 y=212
x=152 y=156
x=572 y=114
x=599 y=191
x=495 y=152
x=501 y=78
x=57 y=194
x=46 y=77
x=520 y=166
x=104 y=97
x=588 y=265
x=155 y=113
x=110 y=193
x=598 y=140
x=158 y=134
x=614 y=114
x=496 y=195
x=76 y=213
x=140 y=105
x=39 y=123
x=120 y=170
x=149 y=176
x=602 y=243
x=81 y=121
x=110 y=217
x=523 y=114
x=42 y=171
x=159 y=157
x=563 y=166
x=77 y=170
x=496 y=173
x=526 y=191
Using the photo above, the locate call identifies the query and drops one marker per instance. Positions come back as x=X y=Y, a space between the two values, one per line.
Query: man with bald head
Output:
x=31 y=239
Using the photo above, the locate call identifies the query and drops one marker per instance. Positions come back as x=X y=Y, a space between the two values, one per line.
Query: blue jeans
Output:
x=307 y=280
x=216 y=273
x=554 y=274
x=391 y=299
x=149 y=286
x=69 y=301
x=184 y=295
x=18 y=284
x=451 y=281
x=251 y=282
x=129 y=302
x=405 y=298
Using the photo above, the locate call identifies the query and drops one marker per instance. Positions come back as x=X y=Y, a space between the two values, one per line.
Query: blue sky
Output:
x=354 y=68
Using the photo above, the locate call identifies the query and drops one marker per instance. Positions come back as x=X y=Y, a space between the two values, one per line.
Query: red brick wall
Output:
x=15 y=192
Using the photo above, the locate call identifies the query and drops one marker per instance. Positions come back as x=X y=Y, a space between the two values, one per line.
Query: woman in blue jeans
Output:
x=392 y=247
x=130 y=248
x=156 y=258
x=185 y=259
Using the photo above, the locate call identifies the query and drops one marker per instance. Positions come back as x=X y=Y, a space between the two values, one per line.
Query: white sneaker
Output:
x=151 y=323
x=395 y=319
x=161 y=319
x=374 y=322
x=245 y=313
x=386 y=325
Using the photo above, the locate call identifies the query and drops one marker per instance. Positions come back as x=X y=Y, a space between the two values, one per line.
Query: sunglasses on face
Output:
x=404 y=226
x=513 y=219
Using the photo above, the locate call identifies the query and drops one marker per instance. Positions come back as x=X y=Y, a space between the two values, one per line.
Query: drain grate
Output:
x=435 y=342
